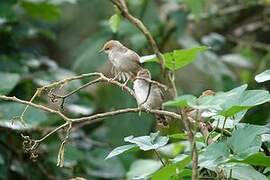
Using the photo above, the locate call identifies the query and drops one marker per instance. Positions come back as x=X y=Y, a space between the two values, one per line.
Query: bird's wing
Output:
x=133 y=56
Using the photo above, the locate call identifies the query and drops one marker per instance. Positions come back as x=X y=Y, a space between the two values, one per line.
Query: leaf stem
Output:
x=223 y=126
x=159 y=157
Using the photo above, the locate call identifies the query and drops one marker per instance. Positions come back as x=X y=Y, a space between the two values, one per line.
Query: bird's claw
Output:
x=111 y=79
x=122 y=86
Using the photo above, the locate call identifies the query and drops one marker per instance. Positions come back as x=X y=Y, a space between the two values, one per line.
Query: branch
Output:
x=192 y=140
x=29 y=103
x=61 y=83
x=30 y=145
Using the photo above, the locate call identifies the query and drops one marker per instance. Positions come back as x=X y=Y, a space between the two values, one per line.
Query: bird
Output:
x=149 y=96
x=126 y=62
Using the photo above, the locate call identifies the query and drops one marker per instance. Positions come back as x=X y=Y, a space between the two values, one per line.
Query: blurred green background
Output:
x=42 y=41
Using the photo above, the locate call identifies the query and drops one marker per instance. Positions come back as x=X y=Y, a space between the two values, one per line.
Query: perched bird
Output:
x=149 y=96
x=126 y=63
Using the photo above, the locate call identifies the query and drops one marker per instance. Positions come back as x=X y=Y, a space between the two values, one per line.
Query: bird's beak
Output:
x=101 y=51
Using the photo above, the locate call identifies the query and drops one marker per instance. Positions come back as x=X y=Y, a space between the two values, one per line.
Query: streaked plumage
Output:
x=154 y=100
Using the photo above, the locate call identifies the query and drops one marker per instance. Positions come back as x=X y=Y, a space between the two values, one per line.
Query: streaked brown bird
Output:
x=149 y=96
x=126 y=62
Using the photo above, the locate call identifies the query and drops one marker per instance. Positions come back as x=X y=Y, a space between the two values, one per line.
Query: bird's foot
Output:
x=112 y=79
x=125 y=84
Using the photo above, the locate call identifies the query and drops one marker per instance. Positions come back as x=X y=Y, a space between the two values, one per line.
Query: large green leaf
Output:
x=7 y=82
x=245 y=101
x=246 y=140
x=257 y=159
x=43 y=10
x=264 y=76
x=225 y=103
x=180 y=58
x=243 y=171
x=145 y=143
x=121 y=149
x=171 y=170
x=208 y=102
x=143 y=169
x=214 y=155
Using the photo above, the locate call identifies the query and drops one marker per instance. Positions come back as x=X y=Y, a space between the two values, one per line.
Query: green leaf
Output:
x=264 y=76
x=233 y=110
x=208 y=102
x=10 y=110
x=246 y=100
x=145 y=143
x=180 y=58
x=182 y=101
x=178 y=136
x=196 y=6
x=246 y=140
x=171 y=150
x=114 y=22
x=171 y=170
x=257 y=159
x=184 y=57
x=7 y=82
x=42 y=10
x=143 y=169
x=243 y=171
x=120 y=150
x=214 y=155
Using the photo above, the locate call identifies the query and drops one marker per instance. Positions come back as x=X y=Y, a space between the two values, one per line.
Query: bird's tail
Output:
x=162 y=120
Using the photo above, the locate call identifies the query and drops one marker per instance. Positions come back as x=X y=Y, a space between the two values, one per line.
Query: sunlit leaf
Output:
x=120 y=150
x=178 y=136
x=180 y=58
x=172 y=150
x=143 y=169
x=243 y=171
x=257 y=159
x=145 y=143
x=246 y=100
x=264 y=76
x=168 y=171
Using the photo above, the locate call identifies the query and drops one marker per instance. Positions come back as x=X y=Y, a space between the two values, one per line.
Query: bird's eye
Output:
x=107 y=48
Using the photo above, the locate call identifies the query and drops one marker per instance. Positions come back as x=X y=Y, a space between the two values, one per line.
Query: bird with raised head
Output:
x=126 y=62
x=149 y=96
